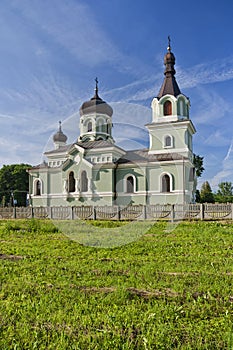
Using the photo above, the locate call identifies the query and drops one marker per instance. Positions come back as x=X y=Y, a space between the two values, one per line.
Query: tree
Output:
x=197 y=197
x=224 y=193
x=198 y=164
x=206 y=193
x=14 y=183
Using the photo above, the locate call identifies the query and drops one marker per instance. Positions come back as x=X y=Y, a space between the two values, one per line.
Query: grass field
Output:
x=167 y=290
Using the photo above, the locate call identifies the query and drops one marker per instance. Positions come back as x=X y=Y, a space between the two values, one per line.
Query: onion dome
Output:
x=170 y=86
x=59 y=136
x=96 y=105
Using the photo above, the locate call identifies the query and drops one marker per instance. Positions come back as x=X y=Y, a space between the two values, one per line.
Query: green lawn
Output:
x=169 y=289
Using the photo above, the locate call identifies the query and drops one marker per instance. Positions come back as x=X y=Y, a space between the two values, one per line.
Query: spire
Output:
x=59 y=129
x=169 y=85
x=96 y=96
x=169 y=44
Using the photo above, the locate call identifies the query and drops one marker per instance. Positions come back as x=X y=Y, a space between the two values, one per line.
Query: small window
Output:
x=89 y=126
x=166 y=186
x=71 y=187
x=38 y=188
x=130 y=184
x=84 y=181
x=167 y=108
x=168 y=141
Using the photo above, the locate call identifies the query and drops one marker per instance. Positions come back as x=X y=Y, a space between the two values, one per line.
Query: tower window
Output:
x=100 y=125
x=130 y=184
x=71 y=187
x=168 y=141
x=167 y=108
x=84 y=181
x=89 y=126
x=166 y=183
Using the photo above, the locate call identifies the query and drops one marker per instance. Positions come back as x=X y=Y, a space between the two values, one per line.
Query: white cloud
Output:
x=216 y=139
x=72 y=25
x=196 y=76
x=226 y=173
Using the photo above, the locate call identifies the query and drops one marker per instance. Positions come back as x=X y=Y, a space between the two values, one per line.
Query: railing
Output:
x=131 y=212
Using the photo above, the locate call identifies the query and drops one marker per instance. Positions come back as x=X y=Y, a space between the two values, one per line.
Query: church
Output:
x=95 y=171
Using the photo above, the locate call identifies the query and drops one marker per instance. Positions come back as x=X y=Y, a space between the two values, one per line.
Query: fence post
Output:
x=72 y=213
x=202 y=214
x=94 y=213
x=144 y=212
x=32 y=212
x=232 y=211
x=172 y=212
x=118 y=213
x=50 y=209
x=14 y=213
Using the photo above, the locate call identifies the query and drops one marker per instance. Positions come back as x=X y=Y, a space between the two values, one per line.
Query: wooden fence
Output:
x=132 y=212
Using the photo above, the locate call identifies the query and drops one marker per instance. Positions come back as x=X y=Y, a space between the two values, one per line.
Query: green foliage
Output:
x=14 y=183
x=198 y=196
x=171 y=289
x=224 y=193
x=206 y=194
x=198 y=164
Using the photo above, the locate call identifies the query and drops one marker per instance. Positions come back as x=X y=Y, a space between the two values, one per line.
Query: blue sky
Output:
x=51 y=52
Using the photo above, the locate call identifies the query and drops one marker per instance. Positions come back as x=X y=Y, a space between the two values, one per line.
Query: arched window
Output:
x=37 y=188
x=89 y=126
x=100 y=125
x=130 y=184
x=71 y=184
x=167 y=141
x=166 y=183
x=84 y=181
x=167 y=108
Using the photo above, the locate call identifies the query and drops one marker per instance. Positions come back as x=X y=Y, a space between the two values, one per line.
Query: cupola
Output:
x=59 y=138
x=95 y=119
x=96 y=105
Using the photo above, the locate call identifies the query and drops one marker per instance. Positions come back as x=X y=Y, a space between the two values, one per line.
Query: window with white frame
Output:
x=130 y=184
x=84 y=181
x=37 y=187
x=168 y=141
x=167 y=108
x=166 y=183
x=71 y=182
x=89 y=127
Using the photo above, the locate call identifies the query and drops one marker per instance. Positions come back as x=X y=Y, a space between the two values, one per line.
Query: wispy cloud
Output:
x=72 y=25
x=196 y=76
x=226 y=172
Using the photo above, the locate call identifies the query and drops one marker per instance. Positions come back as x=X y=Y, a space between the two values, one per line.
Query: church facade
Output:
x=95 y=171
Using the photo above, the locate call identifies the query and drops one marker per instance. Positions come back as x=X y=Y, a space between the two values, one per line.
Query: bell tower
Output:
x=171 y=130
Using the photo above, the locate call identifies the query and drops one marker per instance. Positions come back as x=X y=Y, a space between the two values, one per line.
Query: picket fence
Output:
x=131 y=212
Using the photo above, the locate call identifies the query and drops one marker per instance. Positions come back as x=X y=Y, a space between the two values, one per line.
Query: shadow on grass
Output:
x=93 y=235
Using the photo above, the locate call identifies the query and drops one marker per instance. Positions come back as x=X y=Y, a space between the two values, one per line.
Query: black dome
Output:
x=59 y=136
x=96 y=105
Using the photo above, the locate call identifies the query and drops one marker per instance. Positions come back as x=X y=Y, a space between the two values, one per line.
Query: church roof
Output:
x=142 y=155
x=85 y=145
x=169 y=85
x=96 y=105
x=95 y=144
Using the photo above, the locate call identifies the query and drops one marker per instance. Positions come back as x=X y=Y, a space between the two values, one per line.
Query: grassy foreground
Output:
x=170 y=289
